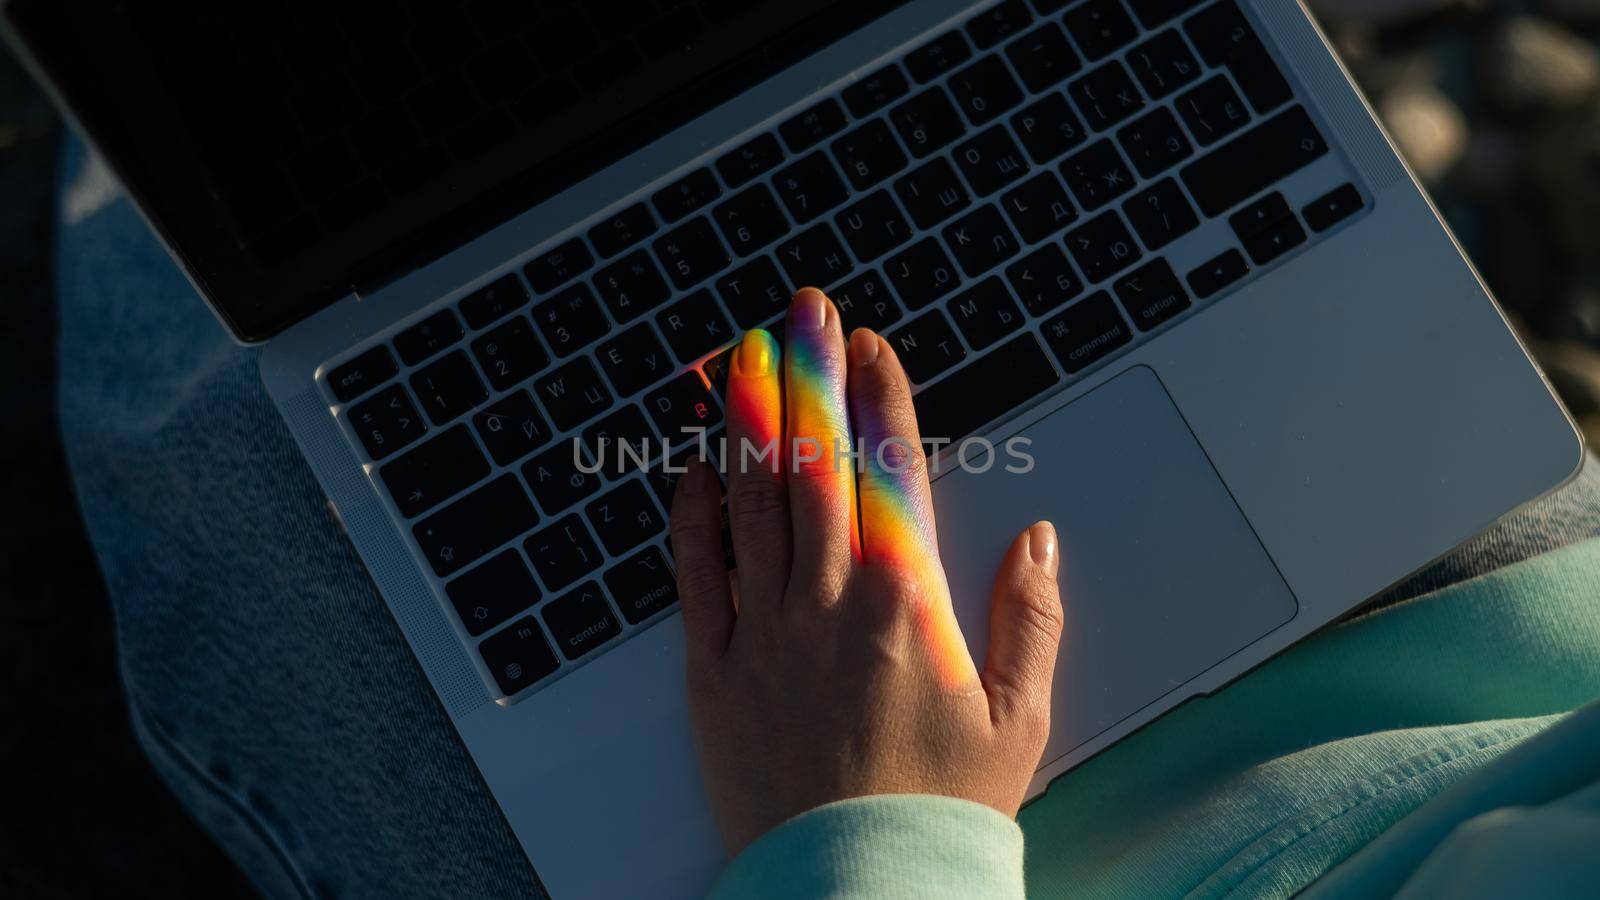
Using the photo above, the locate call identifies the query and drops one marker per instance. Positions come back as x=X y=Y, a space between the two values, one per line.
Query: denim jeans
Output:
x=266 y=680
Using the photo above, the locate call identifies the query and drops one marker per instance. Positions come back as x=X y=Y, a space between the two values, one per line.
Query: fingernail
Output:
x=863 y=347
x=809 y=312
x=755 y=356
x=1042 y=546
x=694 y=480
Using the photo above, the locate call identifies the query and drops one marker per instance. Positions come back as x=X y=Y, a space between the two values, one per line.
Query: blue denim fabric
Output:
x=266 y=680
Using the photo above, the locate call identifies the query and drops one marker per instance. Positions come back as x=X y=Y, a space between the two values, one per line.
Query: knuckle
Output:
x=1039 y=608
x=757 y=498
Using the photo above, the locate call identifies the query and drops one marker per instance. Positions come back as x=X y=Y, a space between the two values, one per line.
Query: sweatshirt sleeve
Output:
x=882 y=847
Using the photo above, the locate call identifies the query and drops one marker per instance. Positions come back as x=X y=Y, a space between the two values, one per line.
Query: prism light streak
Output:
x=755 y=402
x=817 y=410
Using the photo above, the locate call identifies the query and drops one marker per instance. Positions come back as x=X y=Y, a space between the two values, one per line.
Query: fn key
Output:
x=518 y=656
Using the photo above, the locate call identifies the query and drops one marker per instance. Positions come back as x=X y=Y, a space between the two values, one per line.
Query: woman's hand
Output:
x=830 y=664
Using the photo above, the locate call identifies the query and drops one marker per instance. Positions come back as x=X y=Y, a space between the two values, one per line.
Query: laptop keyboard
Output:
x=1011 y=203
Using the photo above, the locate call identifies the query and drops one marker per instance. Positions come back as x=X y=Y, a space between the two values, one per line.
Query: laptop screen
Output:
x=293 y=152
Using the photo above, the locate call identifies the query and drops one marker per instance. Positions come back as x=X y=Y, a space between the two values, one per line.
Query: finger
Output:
x=703 y=587
x=758 y=499
x=896 y=505
x=1025 y=622
x=821 y=481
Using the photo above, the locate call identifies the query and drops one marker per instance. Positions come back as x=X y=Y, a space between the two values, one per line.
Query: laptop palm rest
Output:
x=1162 y=576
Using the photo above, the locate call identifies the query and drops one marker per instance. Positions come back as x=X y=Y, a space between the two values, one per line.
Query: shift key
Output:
x=478 y=523
x=1254 y=161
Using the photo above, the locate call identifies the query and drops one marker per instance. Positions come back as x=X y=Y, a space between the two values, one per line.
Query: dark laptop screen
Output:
x=293 y=151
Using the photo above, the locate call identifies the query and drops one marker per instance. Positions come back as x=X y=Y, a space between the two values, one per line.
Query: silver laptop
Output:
x=1164 y=240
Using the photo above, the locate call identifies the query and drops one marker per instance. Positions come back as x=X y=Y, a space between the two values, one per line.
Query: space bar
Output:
x=984 y=391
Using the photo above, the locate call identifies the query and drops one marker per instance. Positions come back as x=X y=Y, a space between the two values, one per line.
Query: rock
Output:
x=1531 y=65
x=1381 y=12
x=1563 y=166
x=1428 y=127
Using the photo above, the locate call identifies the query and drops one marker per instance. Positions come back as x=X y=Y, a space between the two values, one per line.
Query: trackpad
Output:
x=1161 y=576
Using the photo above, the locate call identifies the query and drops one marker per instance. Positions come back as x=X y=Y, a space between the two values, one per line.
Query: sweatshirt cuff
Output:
x=882 y=847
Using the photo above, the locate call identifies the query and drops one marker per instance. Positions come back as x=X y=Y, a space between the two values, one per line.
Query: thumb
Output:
x=1025 y=622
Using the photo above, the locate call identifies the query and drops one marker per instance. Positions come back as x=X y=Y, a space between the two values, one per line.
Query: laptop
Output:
x=1164 y=242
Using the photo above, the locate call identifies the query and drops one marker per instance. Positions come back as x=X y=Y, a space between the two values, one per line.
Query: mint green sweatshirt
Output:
x=1429 y=749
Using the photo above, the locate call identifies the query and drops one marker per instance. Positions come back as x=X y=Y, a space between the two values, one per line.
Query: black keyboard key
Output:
x=1213 y=110
x=556 y=480
x=1259 y=216
x=810 y=187
x=1106 y=96
x=1155 y=12
x=1332 y=208
x=1102 y=247
x=755 y=157
x=869 y=154
x=1038 y=207
x=511 y=428
x=631 y=286
x=1276 y=240
x=1048 y=128
x=927 y=122
x=1044 y=279
x=475 y=525
x=754 y=292
x=872 y=227
x=622 y=230
x=434 y=471
x=1218 y=274
x=1087 y=332
x=621 y=442
x=681 y=405
x=493 y=592
x=1097 y=174
x=938 y=56
x=993 y=385
x=642 y=585
x=751 y=220
x=682 y=197
x=448 y=388
x=571 y=320
x=922 y=273
x=875 y=91
x=518 y=656
x=991 y=161
x=428 y=337
x=1224 y=38
x=1151 y=294
x=509 y=353
x=581 y=621
x=492 y=301
x=634 y=359
x=864 y=302
x=985 y=313
x=625 y=517
x=1043 y=58
x=368 y=370
x=554 y=268
x=1100 y=27
x=1254 y=161
x=694 y=326
x=998 y=23
x=981 y=240
x=1161 y=214
x=927 y=346
x=573 y=393
x=814 y=257
x=691 y=253
x=1155 y=143
x=813 y=126
x=386 y=421
x=985 y=90
x=932 y=193
x=563 y=552
x=1164 y=64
